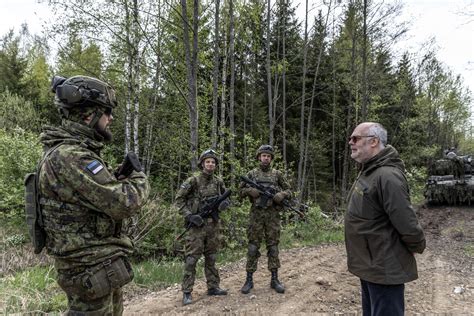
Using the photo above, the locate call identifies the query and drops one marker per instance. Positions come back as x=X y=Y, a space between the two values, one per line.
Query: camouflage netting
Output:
x=451 y=181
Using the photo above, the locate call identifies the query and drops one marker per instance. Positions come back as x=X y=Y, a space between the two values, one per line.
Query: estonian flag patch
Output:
x=94 y=167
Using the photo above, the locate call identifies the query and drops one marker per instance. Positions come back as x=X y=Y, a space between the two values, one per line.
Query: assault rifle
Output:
x=130 y=163
x=268 y=194
x=210 y=209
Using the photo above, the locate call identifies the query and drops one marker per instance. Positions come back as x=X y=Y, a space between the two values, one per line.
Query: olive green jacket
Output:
x=381 y=228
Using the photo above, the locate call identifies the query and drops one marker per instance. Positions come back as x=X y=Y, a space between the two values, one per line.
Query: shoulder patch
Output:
x=94 y=167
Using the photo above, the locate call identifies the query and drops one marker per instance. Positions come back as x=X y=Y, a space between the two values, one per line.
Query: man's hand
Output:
x=279 y=197
x=252 y=192
x=195 y=220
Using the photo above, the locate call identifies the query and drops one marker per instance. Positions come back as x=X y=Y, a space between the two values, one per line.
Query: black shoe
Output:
x=248 y=285
x=187 y=298
x=216 y=291
x=275 y=283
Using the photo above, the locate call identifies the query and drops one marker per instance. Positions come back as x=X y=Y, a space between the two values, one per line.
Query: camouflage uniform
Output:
x=83 y=205
x=200 y=240
x=264 y=222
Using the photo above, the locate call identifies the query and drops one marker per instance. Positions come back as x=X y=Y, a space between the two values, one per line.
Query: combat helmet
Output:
x=209 y=153
x=267 y=149
x=82 y=94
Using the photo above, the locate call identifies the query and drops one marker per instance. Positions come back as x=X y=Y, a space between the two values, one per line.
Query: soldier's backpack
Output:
x=34 y=218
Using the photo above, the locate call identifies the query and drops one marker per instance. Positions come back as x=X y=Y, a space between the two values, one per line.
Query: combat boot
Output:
x=216 y=291
x=248 y=284
x=275 y=283
x=187 y=298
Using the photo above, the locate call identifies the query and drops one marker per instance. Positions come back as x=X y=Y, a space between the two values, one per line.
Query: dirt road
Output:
x=317 y=280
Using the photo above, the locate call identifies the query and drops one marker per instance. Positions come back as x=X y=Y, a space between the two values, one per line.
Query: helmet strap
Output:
x=97 y=115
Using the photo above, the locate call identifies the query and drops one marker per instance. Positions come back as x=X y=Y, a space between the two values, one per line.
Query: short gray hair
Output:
x=380 y=132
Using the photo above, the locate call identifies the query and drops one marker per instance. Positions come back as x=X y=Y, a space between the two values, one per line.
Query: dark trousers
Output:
x=382 y=300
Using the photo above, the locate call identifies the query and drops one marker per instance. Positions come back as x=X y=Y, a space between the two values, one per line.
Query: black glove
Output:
x=195 y=220
x=223 y=205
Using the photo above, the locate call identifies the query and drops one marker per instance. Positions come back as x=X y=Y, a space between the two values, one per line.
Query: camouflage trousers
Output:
x=111 y=304
x=201 y=241
x=263 y=224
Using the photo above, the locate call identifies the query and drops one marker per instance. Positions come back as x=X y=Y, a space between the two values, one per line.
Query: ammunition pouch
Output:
x=97 y=281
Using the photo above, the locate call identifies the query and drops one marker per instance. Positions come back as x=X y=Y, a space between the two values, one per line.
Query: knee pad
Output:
x=211 y=258
x=253 y=250
x=190 y=261
x=273 y=251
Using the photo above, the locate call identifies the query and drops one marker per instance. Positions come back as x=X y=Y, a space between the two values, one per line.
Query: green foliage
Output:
x=158 y=225
x=416 y=177
x=19 y=153
x=17 y=112
x=34 y=289
x=313 y=231
x=12 y=63
x=469 y=250
x=79 y=58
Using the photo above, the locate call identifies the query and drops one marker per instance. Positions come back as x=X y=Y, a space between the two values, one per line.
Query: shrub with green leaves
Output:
x=19 y=154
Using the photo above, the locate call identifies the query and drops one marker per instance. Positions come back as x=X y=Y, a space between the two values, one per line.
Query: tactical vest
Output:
x=204 y=190
x=267 y=179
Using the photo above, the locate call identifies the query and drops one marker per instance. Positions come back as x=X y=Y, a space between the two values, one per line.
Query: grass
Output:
x=155 y=274
x=31 y=290
x=469 y=250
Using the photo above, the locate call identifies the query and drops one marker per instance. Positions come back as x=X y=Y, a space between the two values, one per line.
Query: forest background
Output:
x=230 y=75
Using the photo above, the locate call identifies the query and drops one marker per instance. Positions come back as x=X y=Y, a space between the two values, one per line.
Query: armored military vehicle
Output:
x=451 y=180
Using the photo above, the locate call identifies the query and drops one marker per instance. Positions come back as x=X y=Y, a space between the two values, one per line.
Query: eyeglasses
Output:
x=355 y=139
x=108 y=111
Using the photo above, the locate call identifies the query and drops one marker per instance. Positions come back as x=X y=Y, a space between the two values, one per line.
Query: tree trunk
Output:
x=149 y=147
x=271 y=120
x=365 y=97
x=130 y=93
x=313 y=95
x=191 y=63
x=223 y=104
x=349 y=123
x=215 y=77
x=136 y=79
x=303 y=96
x=283 y=92
x=231 y=88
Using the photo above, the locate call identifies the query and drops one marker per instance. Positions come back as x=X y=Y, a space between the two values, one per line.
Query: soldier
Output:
x=264 y=221
x=203 y=236
x=83 y=203
x=458 y=165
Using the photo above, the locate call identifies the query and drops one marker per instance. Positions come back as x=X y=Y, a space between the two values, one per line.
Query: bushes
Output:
x=19 y=154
